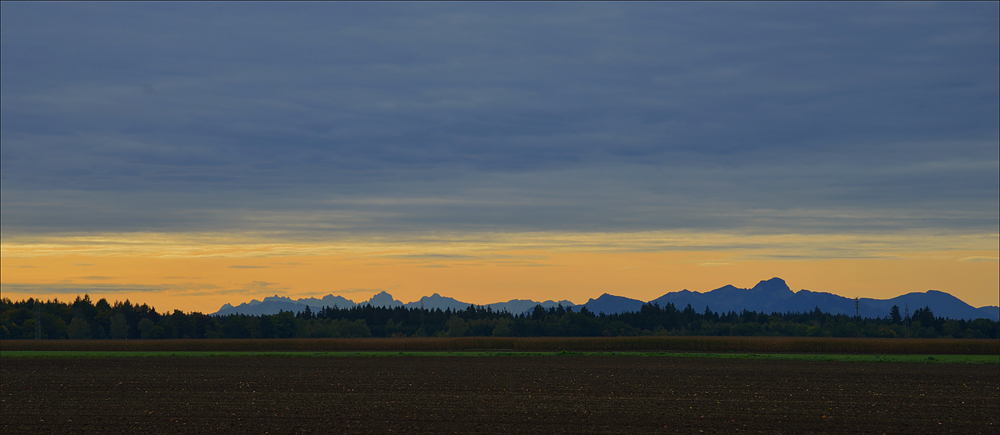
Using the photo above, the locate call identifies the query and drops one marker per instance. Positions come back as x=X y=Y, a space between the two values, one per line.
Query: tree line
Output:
x=84 y=319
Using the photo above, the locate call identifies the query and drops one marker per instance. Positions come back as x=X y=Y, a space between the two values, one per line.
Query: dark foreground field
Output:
x=809 y=345
x=564 y=394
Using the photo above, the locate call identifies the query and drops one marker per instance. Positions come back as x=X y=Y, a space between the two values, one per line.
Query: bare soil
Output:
x=866 y=346
x=547 y=394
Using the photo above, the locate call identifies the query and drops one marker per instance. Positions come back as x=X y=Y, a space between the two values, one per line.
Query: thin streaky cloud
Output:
x=979 y=258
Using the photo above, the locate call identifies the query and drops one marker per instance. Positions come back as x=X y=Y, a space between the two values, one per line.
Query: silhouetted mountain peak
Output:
x=608 y=303
x=774 y=287
x=607 y=297
x=384 y=299
x=436 y=301
x=278 y=298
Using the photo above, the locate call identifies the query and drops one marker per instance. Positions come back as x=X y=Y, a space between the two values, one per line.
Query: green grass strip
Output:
x=938 y=359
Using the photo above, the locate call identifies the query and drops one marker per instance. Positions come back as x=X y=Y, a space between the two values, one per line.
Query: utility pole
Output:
x=857 y=309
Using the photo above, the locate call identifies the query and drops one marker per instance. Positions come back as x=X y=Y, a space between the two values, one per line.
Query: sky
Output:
x=188 y=155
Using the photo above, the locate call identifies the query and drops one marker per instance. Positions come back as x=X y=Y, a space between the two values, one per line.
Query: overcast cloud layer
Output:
x=371 y=117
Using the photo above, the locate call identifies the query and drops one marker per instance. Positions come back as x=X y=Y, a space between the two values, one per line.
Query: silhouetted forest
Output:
x=84 y=319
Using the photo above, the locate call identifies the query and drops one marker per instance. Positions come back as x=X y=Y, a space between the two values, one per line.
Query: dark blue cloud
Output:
x=500 y=116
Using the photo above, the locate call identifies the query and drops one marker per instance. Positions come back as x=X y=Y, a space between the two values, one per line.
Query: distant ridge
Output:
x=275 y=304
x=767 y=296
x=611 y=304
x=774 y=295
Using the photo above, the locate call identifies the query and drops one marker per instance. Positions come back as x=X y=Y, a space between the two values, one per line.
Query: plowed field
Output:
x=547 y=394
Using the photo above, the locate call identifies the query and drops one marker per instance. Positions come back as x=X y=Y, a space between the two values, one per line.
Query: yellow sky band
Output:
x=200 y=272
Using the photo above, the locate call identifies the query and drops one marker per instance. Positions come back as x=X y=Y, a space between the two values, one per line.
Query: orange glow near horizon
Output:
x=202 y=278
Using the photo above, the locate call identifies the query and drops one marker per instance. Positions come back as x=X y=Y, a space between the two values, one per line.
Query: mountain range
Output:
x=767 y=296
x=274 y=304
